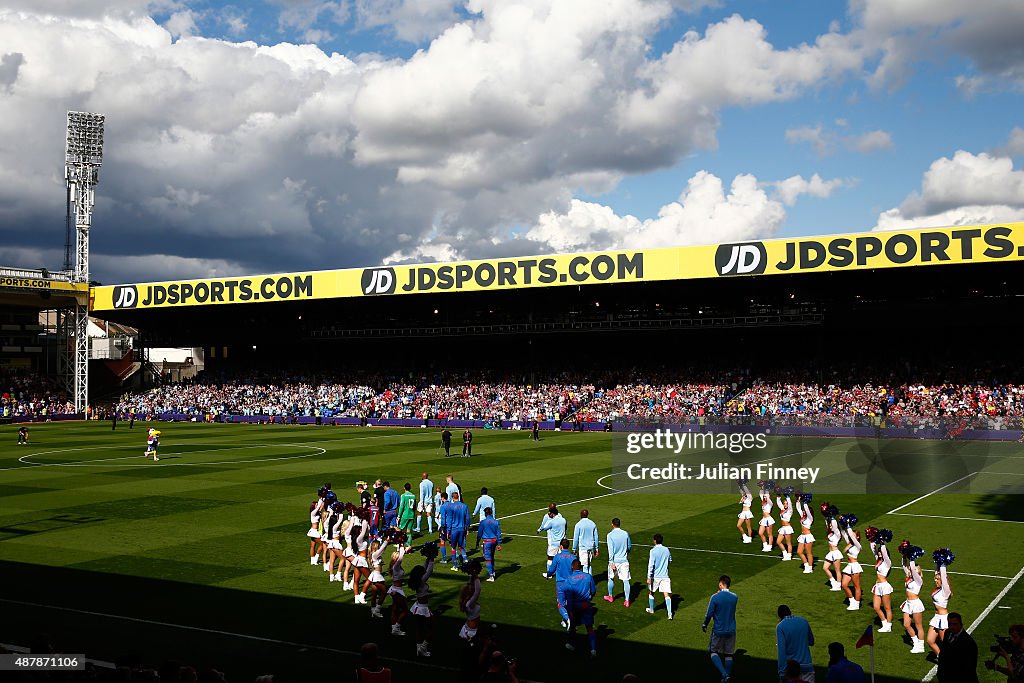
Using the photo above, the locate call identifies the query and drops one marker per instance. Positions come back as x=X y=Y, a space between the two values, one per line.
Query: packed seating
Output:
x=782 y=398
x=26 y=394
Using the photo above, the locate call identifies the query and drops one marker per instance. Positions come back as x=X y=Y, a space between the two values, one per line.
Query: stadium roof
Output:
x=860 y=251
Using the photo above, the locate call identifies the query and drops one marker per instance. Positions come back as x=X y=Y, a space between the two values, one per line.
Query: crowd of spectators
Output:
x=26 y=394
x=689 y=397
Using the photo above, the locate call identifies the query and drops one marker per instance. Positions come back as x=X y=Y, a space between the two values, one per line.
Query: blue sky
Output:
x=303 y=134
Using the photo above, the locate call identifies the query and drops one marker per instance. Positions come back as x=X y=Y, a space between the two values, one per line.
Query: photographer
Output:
x=501 y=670
x=1012 y=651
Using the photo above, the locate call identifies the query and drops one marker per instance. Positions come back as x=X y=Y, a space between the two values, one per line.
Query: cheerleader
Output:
x=832 y=558
x=335 y=525
x=766 y=524
x=805 y=541
x=399 y=604
x=785 y=539
x=881 y=592
x=853 y=570
x=418 y=582
x=357 y=533
x=913 y=608
x=940 y=596
x=375 y=581
x=349 y=553
x=746 y=498
x=314 y=532
x=469 y=601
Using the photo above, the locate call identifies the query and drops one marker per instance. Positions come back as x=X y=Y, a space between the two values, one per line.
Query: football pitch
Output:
x=203 y=558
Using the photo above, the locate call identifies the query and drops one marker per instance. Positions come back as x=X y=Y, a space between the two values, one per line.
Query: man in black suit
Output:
x=958 y=654
x=446 y=441
x=467 y=444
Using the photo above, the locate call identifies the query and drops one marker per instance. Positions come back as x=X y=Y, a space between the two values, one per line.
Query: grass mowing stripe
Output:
x=965 y=519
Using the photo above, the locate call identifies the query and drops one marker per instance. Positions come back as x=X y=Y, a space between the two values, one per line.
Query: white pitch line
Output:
x=981 y=617
x=895 y=510
x=965 y=519
x=766 y=556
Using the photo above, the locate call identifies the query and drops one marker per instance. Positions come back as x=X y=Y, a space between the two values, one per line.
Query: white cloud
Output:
x=815 y=136
x=872 y=141
x=409 y=20
x=825 y=141
x=791 y=188
x=182 y=24
x=704 y=214
x=1015 y=144
x=969 y=188
x=985 y=31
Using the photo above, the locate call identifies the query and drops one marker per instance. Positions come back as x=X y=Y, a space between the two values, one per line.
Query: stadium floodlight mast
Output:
x=83 y=156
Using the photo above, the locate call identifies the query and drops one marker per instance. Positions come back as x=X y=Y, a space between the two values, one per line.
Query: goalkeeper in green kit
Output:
x=407 y=513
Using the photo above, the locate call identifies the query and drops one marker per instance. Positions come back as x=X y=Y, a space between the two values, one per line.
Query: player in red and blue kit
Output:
x=489 y=532
x=561 y=568
x=579 y=594
x=455 y=523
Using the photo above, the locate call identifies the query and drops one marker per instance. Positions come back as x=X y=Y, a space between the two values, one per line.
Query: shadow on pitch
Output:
x=123 y=617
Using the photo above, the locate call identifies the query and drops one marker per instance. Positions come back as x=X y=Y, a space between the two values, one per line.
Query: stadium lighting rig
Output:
x=83 y=156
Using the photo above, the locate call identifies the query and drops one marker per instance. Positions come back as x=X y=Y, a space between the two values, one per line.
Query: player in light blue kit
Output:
x=657 y=575
x=554 y=525
x=425 y=506
x=579 y=594
x=490 y=534
x=585 y=540
x=482 y=503
x=619 y=545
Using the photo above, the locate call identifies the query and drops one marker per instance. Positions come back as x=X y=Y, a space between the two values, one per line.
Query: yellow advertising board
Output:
x=928 y=247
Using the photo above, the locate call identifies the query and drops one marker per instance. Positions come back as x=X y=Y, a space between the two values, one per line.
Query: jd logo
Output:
x=741 y=259
x=126 y=297
x=378 y=280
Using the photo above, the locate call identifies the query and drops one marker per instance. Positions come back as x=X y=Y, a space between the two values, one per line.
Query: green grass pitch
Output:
x=202 y=557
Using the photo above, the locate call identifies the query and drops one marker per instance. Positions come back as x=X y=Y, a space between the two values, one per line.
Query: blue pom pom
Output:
x=788 y=491
x=884 y=536
x=915 y=552
x=943 y=557
x=805 y=498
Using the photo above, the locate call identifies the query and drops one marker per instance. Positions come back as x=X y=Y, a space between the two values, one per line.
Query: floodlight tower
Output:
x=83 y=156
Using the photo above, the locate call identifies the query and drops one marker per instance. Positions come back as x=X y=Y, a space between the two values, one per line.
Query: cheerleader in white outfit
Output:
x=469 y=601
x=418 y=582
x=853 y=570
x=913 y=608
x=327 y=537
x=399 y=604
x=337 y=525
x=357 y=533
x=785 y=539
x=940 y=596
x=832 y=558
x=375 y=581
x=314 y=532
x=805 y=541
x=746 y=498
x=767 y=523
x=882 y=590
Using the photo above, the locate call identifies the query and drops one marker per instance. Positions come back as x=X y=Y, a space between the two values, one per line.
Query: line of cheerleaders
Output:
x=351 y=544
x=841 y=531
